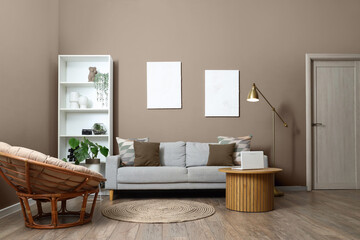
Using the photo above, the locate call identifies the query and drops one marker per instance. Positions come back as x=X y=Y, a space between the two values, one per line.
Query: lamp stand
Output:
x=277 y=192
x=253 y=97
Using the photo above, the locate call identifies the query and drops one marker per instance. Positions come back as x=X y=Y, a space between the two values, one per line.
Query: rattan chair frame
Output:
x=26 y=185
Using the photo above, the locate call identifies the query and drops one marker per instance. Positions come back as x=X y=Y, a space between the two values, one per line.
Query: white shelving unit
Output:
x=88 y=110
x=73 y=77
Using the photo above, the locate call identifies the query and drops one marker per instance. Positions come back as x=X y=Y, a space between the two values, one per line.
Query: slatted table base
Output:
x=250 y=192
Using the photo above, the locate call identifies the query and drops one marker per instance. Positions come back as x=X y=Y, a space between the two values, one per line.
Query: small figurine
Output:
x=92 y=73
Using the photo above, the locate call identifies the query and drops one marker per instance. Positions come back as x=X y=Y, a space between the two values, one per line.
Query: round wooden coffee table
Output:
x=250 y=190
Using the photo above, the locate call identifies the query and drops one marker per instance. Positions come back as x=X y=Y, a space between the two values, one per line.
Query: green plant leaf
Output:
x=86 y=141
x=64 y=159
x=91 y=144
x=86 y=149
x=74 y=143
x=81 y=153
x=104 y=151
x=84 y=144
x=95 y=151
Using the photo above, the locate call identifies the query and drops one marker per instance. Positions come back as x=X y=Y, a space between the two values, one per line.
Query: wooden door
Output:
x=335 y=124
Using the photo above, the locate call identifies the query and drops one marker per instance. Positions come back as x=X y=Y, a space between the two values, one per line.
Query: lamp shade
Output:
x=253 y=94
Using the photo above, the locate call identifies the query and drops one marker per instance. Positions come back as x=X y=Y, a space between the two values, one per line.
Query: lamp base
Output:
x=278 y=193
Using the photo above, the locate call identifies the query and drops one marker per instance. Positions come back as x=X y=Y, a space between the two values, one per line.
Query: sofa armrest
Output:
x=111 y=168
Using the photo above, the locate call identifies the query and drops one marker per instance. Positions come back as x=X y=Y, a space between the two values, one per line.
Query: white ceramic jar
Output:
x=83 y=100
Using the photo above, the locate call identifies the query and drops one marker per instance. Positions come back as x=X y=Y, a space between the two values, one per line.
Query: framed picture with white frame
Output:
x=222 y=93
x=163 y=85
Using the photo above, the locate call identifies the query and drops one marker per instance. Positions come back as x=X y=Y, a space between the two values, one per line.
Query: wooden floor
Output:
x=298 y=215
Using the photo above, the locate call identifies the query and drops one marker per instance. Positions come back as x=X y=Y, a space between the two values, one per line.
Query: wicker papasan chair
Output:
x=42 y=178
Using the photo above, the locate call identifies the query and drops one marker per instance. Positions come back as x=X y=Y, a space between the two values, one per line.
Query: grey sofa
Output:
x=183 y=166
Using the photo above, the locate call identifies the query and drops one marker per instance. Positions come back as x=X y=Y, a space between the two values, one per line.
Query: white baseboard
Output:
x=13 y=208
x=104 y=192
x=292 y=188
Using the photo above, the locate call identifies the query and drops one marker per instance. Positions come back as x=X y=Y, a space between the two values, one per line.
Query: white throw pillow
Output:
x=241 y=144
x=126 y=150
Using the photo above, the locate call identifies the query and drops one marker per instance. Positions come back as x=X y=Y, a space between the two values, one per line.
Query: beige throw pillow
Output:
x=241 y=144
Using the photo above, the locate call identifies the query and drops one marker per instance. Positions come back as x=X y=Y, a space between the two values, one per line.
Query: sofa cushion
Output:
x=206 y=174
x=161 y=174
x=197 y=154
x=172 y=154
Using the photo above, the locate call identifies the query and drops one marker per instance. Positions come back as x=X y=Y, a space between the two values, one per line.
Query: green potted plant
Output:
x=101 y=83
x=99 y=129
x=88 y=151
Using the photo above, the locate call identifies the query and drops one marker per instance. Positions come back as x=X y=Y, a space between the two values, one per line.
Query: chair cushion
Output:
x=40 y=157
x=206 y=174
x=197 y=154
x=161 y=174
x=48 y=180
x=172 y=154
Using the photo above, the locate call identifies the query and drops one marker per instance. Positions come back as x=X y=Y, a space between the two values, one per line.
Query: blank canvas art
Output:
x=163 y=85
x=221 y=93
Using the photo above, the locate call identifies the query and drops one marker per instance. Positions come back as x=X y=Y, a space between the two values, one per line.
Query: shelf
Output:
x=86 y=136
x=84 y=110
x=73 y=72
x=86 y=58
x=77 y=84
x=83 y=163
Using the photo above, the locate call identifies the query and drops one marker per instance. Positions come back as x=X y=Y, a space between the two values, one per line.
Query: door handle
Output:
x=317 y=124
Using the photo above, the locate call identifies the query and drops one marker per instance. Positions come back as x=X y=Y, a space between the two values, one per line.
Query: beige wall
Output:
x=265 y=40
x=28 y=67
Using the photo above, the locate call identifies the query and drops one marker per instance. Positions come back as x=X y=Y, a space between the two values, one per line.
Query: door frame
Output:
x=309 y=59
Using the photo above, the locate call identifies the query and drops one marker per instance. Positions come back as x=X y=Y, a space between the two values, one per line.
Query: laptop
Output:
x=251 y=160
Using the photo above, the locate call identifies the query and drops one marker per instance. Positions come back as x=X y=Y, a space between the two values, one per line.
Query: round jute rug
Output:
x=158 y=211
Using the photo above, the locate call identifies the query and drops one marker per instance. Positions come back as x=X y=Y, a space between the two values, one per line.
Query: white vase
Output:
x=93 y=164
x=74 y=105
x=74 y=96
x=83 y=100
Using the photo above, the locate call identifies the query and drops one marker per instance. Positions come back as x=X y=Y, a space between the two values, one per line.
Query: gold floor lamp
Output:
x=254 y=97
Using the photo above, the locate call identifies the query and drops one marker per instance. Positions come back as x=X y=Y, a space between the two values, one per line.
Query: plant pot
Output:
x=99 y=129
x=93 y=164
